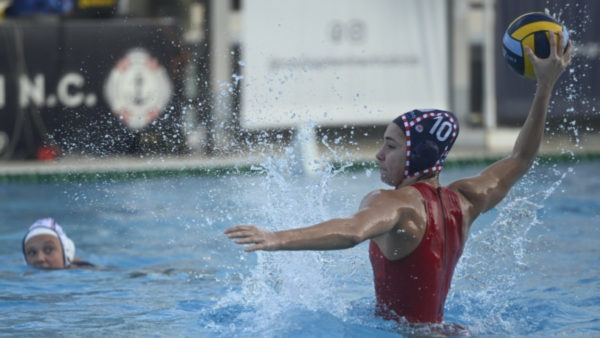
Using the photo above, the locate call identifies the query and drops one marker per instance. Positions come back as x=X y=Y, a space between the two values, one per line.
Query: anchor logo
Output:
x=138 y=89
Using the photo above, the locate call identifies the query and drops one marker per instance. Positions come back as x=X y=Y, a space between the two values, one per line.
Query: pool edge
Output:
x=247 y=168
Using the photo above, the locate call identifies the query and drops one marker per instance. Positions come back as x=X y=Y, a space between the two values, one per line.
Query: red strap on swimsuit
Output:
x=415 y=287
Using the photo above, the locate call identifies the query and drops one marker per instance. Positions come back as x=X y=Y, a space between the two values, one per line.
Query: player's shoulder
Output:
x=468 y=188
x=404 y=195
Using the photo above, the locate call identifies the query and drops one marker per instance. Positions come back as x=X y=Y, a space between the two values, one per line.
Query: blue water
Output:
x=531 y=265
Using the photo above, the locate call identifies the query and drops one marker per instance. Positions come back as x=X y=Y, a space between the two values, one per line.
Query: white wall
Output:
x=342 y=61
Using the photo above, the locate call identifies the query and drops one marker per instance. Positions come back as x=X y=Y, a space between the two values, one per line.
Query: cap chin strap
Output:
x=401 y=181
x=419 y=177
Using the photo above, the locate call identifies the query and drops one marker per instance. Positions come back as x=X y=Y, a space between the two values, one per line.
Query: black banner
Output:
x=91 y=87
x=574 y=97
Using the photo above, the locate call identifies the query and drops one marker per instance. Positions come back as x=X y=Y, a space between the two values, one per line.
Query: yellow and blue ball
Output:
x=530 y=29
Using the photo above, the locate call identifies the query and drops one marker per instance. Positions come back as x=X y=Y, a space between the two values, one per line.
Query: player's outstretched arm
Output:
x=380 y=212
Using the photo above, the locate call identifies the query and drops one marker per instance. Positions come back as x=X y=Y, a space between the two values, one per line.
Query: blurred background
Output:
x=207 y=79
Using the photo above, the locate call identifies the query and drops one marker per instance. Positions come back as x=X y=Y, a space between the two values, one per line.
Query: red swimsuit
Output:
x=415 y=287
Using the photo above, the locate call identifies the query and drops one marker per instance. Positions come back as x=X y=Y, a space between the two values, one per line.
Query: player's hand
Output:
x=250 y=234
x=547 y=70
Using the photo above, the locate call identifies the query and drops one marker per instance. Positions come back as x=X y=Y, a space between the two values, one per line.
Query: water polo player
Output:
x=417 y=231
x=47 y=246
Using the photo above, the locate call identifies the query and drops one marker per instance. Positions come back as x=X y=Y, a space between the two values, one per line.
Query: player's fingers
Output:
x=569 y=53
x=237 y=234
x=552 y=38
x=530 y=53
x=252 y=248
x=238 y=228
x=247 y=240
x=241 y=234
x=561 y=42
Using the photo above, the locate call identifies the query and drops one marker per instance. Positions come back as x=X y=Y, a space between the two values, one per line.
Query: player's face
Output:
x=44 y=251
x=392 y=156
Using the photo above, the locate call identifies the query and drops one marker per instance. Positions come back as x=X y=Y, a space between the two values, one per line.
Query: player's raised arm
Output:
x=491 y=186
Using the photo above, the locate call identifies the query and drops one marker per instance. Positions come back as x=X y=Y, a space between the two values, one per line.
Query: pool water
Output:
x=530 y=267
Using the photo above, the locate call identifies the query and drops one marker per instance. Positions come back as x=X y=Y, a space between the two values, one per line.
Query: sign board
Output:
x=92 y=87
x=335 y=62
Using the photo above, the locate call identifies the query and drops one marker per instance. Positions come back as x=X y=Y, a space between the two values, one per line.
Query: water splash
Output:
x=495 y=258
x=286 y=282
x=579 y=95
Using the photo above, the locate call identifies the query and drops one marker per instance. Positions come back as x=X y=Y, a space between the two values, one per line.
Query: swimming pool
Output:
x=530 y=266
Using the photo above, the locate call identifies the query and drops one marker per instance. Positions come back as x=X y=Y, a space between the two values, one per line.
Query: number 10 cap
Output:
x=430 y=134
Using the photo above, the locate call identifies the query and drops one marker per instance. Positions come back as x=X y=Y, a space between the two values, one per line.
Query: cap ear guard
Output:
x=68 y=250
x=424 y=153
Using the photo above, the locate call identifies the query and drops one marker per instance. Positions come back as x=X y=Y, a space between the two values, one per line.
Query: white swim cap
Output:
x=47 y=226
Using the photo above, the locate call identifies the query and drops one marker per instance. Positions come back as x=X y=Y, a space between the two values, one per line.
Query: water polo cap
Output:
x=47 y=226
x=430 y=133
